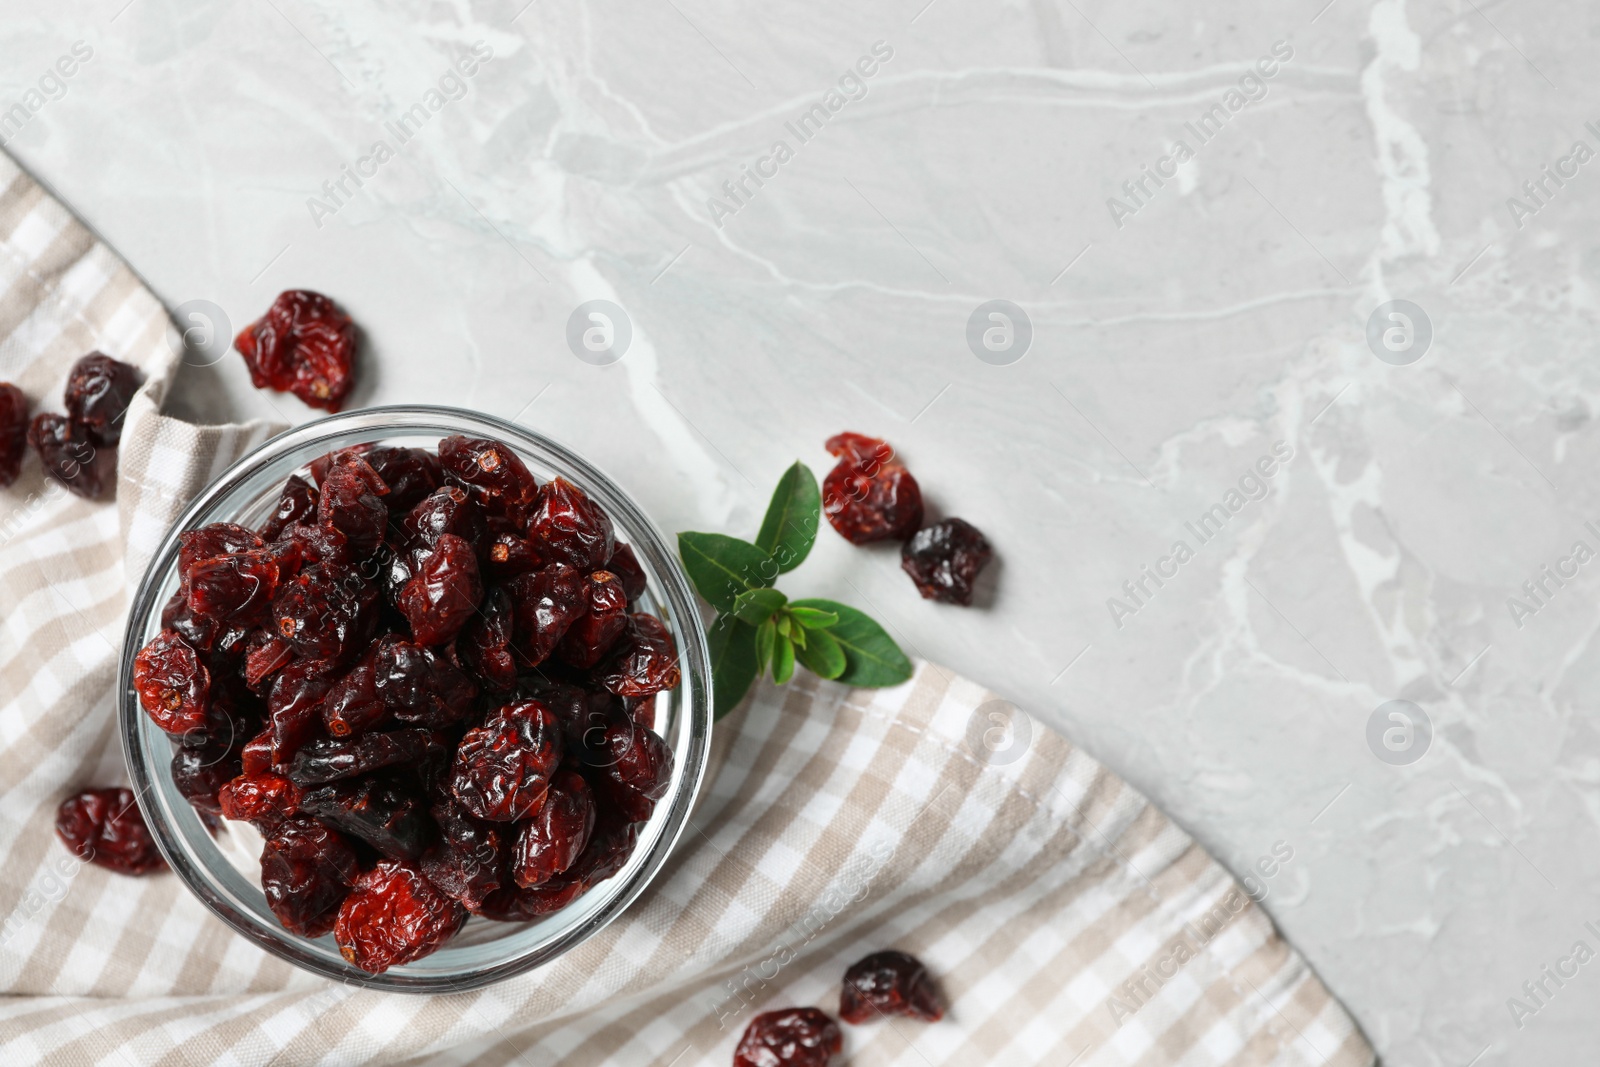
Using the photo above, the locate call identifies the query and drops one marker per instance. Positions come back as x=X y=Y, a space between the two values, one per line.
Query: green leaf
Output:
x=755 y=606
x=785 y=625
x=766 y=636
x=823 y=655
x=812 y=619
x=790 y=527
x=782 y=661
x=797 y=636
x=722 y=567
x=733 y=663
x=872 y=659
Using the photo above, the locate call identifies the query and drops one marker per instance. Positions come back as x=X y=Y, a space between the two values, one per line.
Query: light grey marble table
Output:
x=1198 y=209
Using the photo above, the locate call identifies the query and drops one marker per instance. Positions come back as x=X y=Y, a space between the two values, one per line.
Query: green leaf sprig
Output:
x=758 y=627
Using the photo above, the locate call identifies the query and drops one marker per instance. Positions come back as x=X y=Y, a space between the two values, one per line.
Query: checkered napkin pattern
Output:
x=1068 y=921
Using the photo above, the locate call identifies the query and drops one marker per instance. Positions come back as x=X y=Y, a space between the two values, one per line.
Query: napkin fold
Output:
x=1067 y=920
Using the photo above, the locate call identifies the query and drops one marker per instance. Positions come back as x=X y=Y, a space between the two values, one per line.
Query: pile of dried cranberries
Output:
x=421 y=680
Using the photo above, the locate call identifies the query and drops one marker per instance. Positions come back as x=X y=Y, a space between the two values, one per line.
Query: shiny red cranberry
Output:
x=944 y=560
x=544 y=604
x=296 y=503
x=104 y=827
x=484 y=644
x=793 y=1037
x=393 y=916
x=263 y=800
x=99 y=390
x=306 y=872
x=493 y=472
x=551 y=841
x=385 y=810
x=869 y=496
x=605 y=617
x=443 y=593
x=410 y=473
x=69 y=457
x=569 y=527
x=303 y=345
x=13 y=432
x=644 y=660
x=502 y=769
x=172 y=682
x=625 y=565
x=889 y=983
x=467 y=862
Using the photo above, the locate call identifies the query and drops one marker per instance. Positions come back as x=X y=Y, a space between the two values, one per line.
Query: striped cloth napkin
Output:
x=1068 y=921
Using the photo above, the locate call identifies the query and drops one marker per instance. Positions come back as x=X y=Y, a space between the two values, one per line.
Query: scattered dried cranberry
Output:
x=70 y=457
x=944 y=560
x=552 y=840
x=104 y=827
x=393 y=916
x=444 y=593
x=502 y=768
x=569 y=527
x=303 y=345
x=172 y=683
x=99 y=390
x=644 y=662
x=793 y=1037
x=889 y=983
x=869 y=496
x=13 y=432
x=306 y=872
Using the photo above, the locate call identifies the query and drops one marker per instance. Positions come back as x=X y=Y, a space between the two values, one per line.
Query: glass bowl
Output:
x=222 y=869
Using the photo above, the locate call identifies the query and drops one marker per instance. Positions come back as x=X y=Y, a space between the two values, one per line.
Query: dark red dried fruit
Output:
x=13 y=432
x=944 y=560
x=99 y=390
x=888 y=983
x=330 y=759
x=325 y=612
x=209 y=542
x=502 y=769
x=625 y=565
x=297 y=503
x=263 y=800
x=870 y=496
x=419 y=686
x=104 y=827
x=351 y=502
x=264 y=653
x=551 y=841
x=172 y=683
x=467 y=861
x=384 y=811
x=644 y=660
x=484 y=644
x=492 y=471
x=509 y=556
x=233 y=589
x=545 y=603
x=352 y=704
x=570 y=528
x=294 y=706
x=69 y=457
x=589 y=638
x=609 y=847
x=793 y=1037
x=451 y=510
x=443 y=593
x=632 y=766
x=200 y=773
x=394 y=915
x=303 y=345
x=256 y=755
x=410 y=473
x=306 y=872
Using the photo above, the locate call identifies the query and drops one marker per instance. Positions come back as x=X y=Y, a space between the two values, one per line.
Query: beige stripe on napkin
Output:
x=1067 y=919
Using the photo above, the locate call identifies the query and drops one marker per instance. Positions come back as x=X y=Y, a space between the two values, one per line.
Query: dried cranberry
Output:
x=99 y=390
x=419 y=686
x=209 y=542
x=493 y=471
x=296 y=503
x=545 y=603
x=644 y=661
x=485 y=642
x=569 y=527
x=264 y=653
x=294 y=706
x=632 y=766
x=263 y=800
x=306 y=872
x=944 y=559
x=13 y=432
x=502 y=769
x=578 y=710
x=551 y=841
x=466 y=862
x=172 y=683
x=509 y=556
x=410 y=473
x=870 y=496
x=200 y=773
x=303 y=345
x=309 y=544
x=351 y=503
x=589 y=638
x=450 y=510
x=330 y=759
x=352 y=703
x=256 y=755
x=326 y=612
x=443 y=593
x=234 y=589
x=383 y=810
x=104 y=827
x=512 y=904
x=793 y=1037
x=394 y=915
x=69 y=457
x=625 y=565
x=888 y=983
x=642 y=710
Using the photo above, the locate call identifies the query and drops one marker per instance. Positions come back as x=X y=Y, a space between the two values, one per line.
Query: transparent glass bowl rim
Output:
x=667 y=579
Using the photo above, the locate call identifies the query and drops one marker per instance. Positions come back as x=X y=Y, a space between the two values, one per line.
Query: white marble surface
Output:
x=1225 y=314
